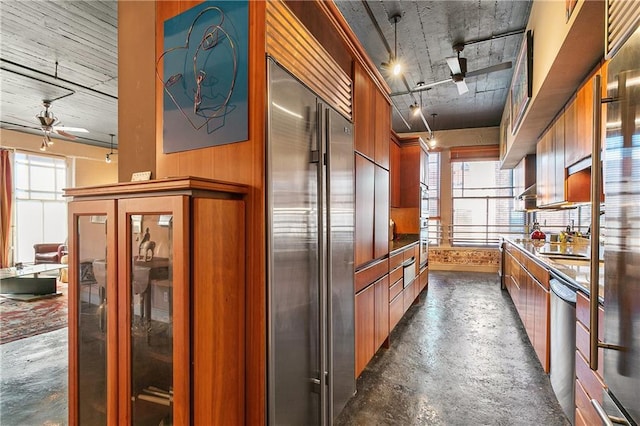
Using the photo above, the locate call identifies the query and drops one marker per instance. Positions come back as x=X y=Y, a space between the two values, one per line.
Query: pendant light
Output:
x=432 y=140
x=108 y=157
x=394 y=64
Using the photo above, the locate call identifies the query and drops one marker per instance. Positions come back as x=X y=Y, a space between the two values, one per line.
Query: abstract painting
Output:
x=204 y=76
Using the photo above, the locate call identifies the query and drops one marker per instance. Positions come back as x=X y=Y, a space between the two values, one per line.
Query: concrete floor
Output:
x=460 y=357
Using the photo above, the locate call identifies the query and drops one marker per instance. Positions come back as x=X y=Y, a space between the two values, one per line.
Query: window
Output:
x=482 y=196
x=40 y=209
x=435 y=234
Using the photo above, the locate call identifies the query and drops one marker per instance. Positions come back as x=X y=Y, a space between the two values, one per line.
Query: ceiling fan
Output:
x=458 y=67
x=49 y=123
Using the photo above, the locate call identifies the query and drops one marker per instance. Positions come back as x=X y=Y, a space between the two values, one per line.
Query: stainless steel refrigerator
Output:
x=310 y=207
x=622 y=229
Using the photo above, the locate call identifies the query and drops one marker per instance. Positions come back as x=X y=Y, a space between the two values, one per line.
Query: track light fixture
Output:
x=415 y=109
x=108 y=157
x=394 y=64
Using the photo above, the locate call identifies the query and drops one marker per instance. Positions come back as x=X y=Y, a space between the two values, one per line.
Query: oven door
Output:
x=424 y=242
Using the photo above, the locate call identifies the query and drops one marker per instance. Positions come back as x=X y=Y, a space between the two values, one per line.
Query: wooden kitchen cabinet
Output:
x=372 y=211
x=394 y=174
x=412 y=155
x=363 y=103
x=371 y=311
x=550 y=176
x=382 y=125
x=381 y=213
x=589 y=384
x=175 y=244
x=528 y=284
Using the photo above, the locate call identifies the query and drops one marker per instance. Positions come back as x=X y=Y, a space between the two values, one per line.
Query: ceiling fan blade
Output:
x=71 y=129
x=462 y=87
x=454 y=65
x=426 y=86
x=498 y=67
x=65 y=134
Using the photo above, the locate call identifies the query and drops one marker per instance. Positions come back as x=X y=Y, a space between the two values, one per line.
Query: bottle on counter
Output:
x=537 y=233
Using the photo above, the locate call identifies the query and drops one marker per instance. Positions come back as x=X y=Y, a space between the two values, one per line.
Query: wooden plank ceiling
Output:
x=82 y=37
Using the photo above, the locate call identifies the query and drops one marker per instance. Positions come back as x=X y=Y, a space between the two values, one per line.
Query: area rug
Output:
x=20 y=319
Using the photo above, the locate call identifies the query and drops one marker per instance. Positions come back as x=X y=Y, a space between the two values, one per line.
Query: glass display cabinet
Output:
x=156 y=303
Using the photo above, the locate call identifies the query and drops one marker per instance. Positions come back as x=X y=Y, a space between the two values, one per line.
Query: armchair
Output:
x=49 y=252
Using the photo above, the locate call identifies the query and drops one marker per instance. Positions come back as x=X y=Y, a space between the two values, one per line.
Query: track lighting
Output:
x=43 y=145
x=108 y=159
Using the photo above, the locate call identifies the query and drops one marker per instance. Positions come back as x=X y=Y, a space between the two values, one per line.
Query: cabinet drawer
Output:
x=583 y=315
x=538 y=272
x=396 y=309
x=395 y=275
x=583 y=346
x=583 y=403
x=409 y=253
x=580 y=421
x=395 y=260
x=424 y=279
x=395 y=289
x=371 y=273
x=590 y=381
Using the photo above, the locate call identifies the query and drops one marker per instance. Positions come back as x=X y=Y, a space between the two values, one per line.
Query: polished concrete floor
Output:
x=459 y=357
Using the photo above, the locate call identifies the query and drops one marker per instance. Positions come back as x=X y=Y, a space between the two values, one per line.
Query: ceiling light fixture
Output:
x=432 y=139
x=415 y=109
x=394 y=64
x=108 y=157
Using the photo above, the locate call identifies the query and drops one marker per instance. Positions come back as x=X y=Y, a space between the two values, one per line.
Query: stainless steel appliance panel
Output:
x=311 y=225
x=424 y=242
x=294 y=369
x=341 y=197
x=562 y=325
x=622 y=224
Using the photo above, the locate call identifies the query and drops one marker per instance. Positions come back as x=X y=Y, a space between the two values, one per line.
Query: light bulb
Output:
x=397 y=68
x=433 y=141
x=108 y=159
x=415 y=110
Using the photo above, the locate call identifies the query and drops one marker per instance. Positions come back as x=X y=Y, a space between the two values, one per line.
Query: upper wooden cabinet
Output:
x=372 y=119
x=579 y=123
x=394 y=173
x=372 y=211
x=382 y=125
x=362 y=113
x=413 y=168
x=550 y=176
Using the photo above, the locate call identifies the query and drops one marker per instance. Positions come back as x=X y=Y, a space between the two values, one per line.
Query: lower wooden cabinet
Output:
x=589 y=384
x=528 y=284
x=365 y=306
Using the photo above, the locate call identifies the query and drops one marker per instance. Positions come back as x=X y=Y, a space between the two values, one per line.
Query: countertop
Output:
x=402 y=241
x=576 y=272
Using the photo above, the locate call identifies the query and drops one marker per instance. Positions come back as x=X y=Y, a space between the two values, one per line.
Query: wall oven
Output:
x=424 y=242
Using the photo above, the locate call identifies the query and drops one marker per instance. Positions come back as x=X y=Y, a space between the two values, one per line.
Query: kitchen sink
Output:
x=555 y=255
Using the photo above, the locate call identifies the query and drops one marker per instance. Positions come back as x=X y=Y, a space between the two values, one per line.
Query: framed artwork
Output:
x=204 y=74
x=521 y=83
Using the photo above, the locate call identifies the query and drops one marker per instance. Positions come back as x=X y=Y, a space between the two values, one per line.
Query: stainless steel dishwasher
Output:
x=563 y=344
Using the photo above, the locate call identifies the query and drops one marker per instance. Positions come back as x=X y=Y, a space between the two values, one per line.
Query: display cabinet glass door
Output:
x=150 y=309
x=92 y=266
x=147 y=325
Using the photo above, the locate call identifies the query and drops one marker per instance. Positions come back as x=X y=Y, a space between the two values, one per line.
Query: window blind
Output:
x=623 y=17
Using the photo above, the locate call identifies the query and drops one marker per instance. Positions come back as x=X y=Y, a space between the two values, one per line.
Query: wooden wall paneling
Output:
x=218 y=296
x=365 y=183
x=365 y=327
x=137 y=93
x=242 y=163
x=381 y=213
